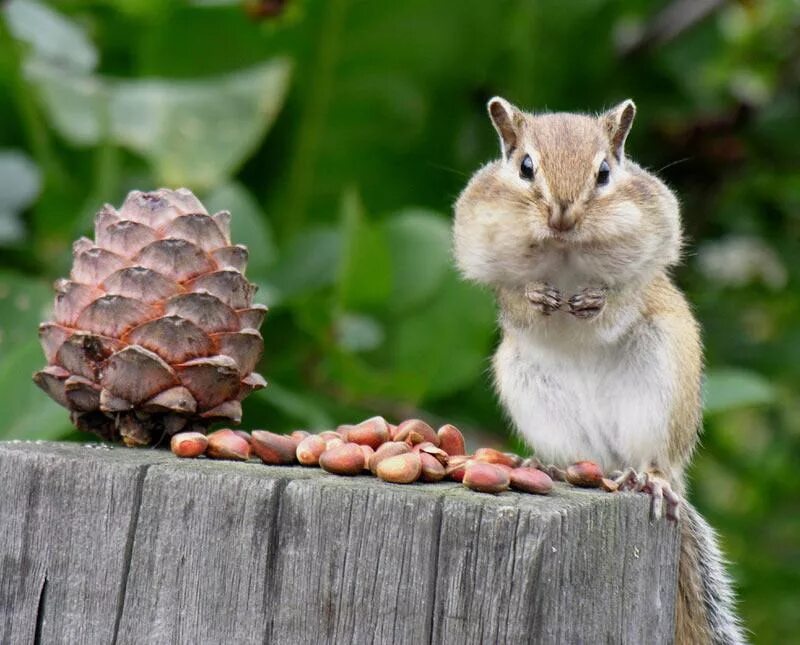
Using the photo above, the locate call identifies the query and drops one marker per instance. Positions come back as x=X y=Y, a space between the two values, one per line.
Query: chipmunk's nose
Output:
x=561 y=217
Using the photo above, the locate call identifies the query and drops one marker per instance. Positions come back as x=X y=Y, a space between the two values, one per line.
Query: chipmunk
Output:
x=600 y=356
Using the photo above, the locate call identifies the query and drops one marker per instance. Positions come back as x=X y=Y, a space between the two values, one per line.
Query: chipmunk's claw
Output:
x=588 y=303
x=544 y=297
x=658 y=488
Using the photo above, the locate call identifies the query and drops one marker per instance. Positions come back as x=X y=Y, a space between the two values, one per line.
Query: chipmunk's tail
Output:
x=706 y=603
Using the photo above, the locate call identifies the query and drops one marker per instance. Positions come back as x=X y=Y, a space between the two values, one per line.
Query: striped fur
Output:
x=706 y=603
x=621 y=388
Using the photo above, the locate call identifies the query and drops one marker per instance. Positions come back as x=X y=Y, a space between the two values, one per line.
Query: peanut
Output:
x=586 y=474
x=372 y=432
x=492 y=456
x=272 y=448
x=400 y=469
x=389 y=449
x=188 y=444
x=486 y=478
x=451 y=440
x=420 y=428
x=347 y=459
x=226 y=444
x=309 y=450
x=432 y=468
x=531 y=480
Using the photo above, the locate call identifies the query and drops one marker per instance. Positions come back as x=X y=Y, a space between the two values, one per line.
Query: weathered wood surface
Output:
x=103 y=545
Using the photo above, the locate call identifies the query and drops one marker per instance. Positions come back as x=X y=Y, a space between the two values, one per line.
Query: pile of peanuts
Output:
x=401 y=454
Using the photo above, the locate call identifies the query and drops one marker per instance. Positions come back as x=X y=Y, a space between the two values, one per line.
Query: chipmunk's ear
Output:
x=505 y=118
x=617 y=122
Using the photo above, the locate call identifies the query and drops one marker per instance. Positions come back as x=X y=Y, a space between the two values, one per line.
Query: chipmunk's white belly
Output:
x=608 y=403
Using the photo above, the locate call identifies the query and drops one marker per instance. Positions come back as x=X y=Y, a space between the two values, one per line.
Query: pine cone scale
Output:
x=111 y=315
x=210 y=380
x=173 y=338
x=142 y=284
x=82 y=394
x=155 y=329
x=178 y=258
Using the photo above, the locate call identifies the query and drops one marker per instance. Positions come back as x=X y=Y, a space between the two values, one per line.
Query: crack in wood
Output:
x=272 y=581
x=433 y=583
x=37 y=634
x=129 y=540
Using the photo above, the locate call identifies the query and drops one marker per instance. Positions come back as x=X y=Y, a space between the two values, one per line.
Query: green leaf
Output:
x=729 y=388
x=383 y=77
x=365 y=270
x=28 y=413
x=76 y=103
x=197 y=133
x=24 y=303
x=156 y=10
x=20 y=183
x=50 y=35
x=444 y=346
x=297 y=406
x=308 y=263
x=419 y=247
x=358 y=333
x=194 y=133
x=249 y=225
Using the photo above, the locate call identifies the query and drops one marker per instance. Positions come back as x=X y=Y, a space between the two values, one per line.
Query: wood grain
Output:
x=133 y=546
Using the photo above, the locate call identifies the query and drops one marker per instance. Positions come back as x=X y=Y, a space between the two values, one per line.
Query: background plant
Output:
x=339 y=133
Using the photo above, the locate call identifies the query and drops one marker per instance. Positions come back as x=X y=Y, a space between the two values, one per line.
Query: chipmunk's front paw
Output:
x=588 y=303
x=543 y=297
x=657 y=487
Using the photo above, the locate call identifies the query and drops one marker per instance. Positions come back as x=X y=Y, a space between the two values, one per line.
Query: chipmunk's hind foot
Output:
x=665 y=501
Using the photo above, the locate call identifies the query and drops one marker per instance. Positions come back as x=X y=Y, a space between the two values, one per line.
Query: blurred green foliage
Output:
x=339 y=133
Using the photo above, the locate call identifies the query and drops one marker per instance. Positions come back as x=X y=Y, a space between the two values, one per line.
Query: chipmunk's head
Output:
x=563 y=187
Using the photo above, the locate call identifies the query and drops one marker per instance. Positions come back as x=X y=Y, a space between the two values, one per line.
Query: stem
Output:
x=105 y=181
x=106 y=162
x=105 y=170
x=106 y=173
x=303 y=166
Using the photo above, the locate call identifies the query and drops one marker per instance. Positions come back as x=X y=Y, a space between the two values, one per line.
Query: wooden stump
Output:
x=106 y=545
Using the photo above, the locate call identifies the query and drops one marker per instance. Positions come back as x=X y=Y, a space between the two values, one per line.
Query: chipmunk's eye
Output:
x=603 y=173
x=526 y=167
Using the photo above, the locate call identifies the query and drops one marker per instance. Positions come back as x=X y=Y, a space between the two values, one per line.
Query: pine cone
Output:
x=155 y=331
